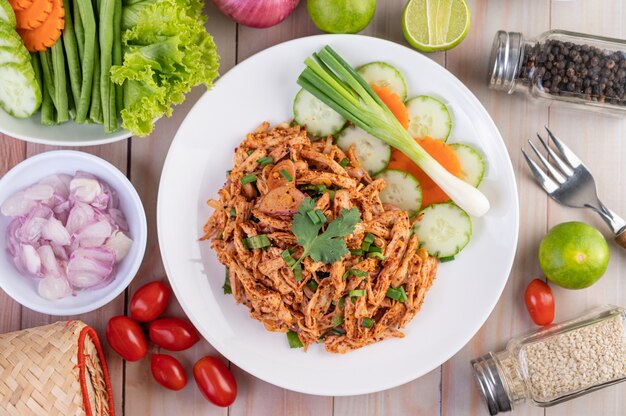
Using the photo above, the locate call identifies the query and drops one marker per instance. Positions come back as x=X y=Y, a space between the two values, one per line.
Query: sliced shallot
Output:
x=90 y=267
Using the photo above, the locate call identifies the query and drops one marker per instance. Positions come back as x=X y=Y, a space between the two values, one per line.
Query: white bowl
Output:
x=23 y=289
x=66 y=134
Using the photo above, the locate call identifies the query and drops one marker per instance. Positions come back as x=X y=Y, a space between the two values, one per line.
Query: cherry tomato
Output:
x=150 y=301
x=168 y=371
x=540 y=302
x=173 y=334
x=215 y=381
x=126 y=338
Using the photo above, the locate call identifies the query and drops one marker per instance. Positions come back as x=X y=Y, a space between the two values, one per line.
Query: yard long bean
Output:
x=71 y=52
x=78 y=30
x=48 y=114
x=60 y=83
x=89 y=59
x=95 y=111
x=118 y=56
x=107 y=89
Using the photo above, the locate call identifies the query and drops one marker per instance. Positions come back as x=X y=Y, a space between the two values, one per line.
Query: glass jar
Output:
x=562 y=66
x=556 y=363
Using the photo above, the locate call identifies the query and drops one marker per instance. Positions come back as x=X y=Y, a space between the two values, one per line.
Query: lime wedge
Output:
x=435 y=25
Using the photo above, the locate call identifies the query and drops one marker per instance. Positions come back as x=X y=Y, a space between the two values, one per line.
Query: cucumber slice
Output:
x=428 y=117
x=472 y=163
x=320 y=120
x=17 y=55
x=402 y=190
x=444 y=229
x=373 y=153
x=8 y=36
x=20 y=95
x=384 y=75
x=7 y=15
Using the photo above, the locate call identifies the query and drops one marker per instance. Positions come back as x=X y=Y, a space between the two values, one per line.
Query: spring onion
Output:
x=248 y=179
x=313 y=217
x=376 y=256
x=286 y=255
x=294 y=341
x=264 y=161
x=374 y=249
x=312 y=285
x=297 y=272
x=233 y=212
x=357 y=293
x=342 y=301
x=337 y=320
x=397 y=294
x=367 y=322
x=333 y=81
x=227 y=289
x=446 y=259
x=286 y=175
x=357 y=252
x=257 y=241
x=354 y=272
x=344 y=162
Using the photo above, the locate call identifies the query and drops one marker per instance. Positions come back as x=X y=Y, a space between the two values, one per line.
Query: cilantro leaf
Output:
x=328 y=246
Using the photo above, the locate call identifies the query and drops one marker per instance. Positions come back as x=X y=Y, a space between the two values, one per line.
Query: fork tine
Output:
x=544 y=180
x=559 y=162
x=555 y=174
x=568 y=155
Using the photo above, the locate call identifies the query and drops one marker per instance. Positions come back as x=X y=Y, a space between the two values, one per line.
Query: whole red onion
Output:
x=257 y=13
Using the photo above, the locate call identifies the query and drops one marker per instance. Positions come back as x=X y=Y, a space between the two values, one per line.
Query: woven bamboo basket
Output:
x=57 y=369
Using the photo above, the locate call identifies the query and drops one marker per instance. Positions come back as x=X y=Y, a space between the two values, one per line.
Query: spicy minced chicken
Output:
x=377 y=276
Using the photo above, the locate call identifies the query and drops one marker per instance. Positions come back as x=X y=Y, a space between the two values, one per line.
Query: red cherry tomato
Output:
x=215 y=381
x=150 y=301
x=126 y=338
x=540 y=302
x=173 y=334
x=168 y=371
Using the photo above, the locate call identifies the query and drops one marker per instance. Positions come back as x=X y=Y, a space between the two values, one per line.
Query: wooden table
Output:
x=449 y=389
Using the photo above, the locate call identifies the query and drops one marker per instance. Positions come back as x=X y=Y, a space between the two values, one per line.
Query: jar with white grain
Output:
x=556 y=363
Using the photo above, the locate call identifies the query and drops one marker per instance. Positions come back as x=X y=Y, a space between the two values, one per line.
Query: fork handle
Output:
x=621 y=239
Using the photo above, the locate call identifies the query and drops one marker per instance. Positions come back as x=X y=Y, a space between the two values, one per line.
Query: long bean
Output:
x=118 y=56
x=78 y=30
x=60 y=83
x=48 y=116
x=89 y=57
x=71 y=52
x=107 y=89
x=95 y=111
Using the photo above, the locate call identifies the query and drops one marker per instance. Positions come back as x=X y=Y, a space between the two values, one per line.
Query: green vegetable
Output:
x=357 y=293
x=264 y=161
x=118 y=57
x=337 y=320
x=107 y=89
x=286 y=255
x=377 y=256
x=397 y=294
x=167 y=52
x=312 y=285
x=337 y=84
x=286 y=175
x=327 y=247
x=71 y=54
x=297 y=272
x=233 y=212
x=294 y=341
x=257 y=241
x=354 y=272
x=367 y=322
x=344 y=162
x=6 y=13
x=85 y=27
x=59 y=93
x=248 y=179
x=227 y=289
x=357 y=252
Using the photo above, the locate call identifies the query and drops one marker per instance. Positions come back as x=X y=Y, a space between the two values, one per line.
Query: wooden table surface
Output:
x=450 y=388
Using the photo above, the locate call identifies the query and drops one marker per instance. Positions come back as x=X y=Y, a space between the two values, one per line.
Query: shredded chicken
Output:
x=318 y=308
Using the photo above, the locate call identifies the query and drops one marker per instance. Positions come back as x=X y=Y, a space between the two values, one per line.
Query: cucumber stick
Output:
x=428 y=117
x=382 y=74
x=444 y=229
x=320 y=120
x=472 y=163
x=402 y=191
x=20 y=95
x=373 y=153
x=7 y=15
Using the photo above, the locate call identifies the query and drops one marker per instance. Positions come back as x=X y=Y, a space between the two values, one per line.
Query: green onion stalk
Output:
x=334 y=82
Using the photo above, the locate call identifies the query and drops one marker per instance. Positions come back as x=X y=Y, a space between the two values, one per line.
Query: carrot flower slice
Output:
x=46 y=35
x=34 y=16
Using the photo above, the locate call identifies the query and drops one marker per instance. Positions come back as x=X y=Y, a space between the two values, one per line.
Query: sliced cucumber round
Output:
x=8 y=36
x=17 y=55
x=444 y=229
x=320 y=120
x=7 y=15
x=402 y=191
x=20 y=95
x=373 y=153
x=472 y=163
x=384 y=75
x=428 y=117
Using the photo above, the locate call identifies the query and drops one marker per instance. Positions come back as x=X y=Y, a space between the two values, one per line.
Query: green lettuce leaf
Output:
x=167 y=53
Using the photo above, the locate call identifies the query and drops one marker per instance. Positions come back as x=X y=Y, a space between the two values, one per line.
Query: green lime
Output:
x=341 y=16
x=435 y=25
x=573 y=255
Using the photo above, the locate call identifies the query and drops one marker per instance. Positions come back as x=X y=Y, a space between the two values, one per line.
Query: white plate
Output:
x=66 y=134
x=464 y=293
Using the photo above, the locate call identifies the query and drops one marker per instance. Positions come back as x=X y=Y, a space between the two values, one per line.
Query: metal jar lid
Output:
x=491 y=384
x=505 y=59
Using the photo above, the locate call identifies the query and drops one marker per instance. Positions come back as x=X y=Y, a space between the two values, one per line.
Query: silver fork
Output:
x=571 y=184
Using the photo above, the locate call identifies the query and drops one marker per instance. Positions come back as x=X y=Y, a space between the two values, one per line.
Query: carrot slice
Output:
x=20 y=4
x=395 y=104
x=442 y=153
x=34 y=16
x=48 y=33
